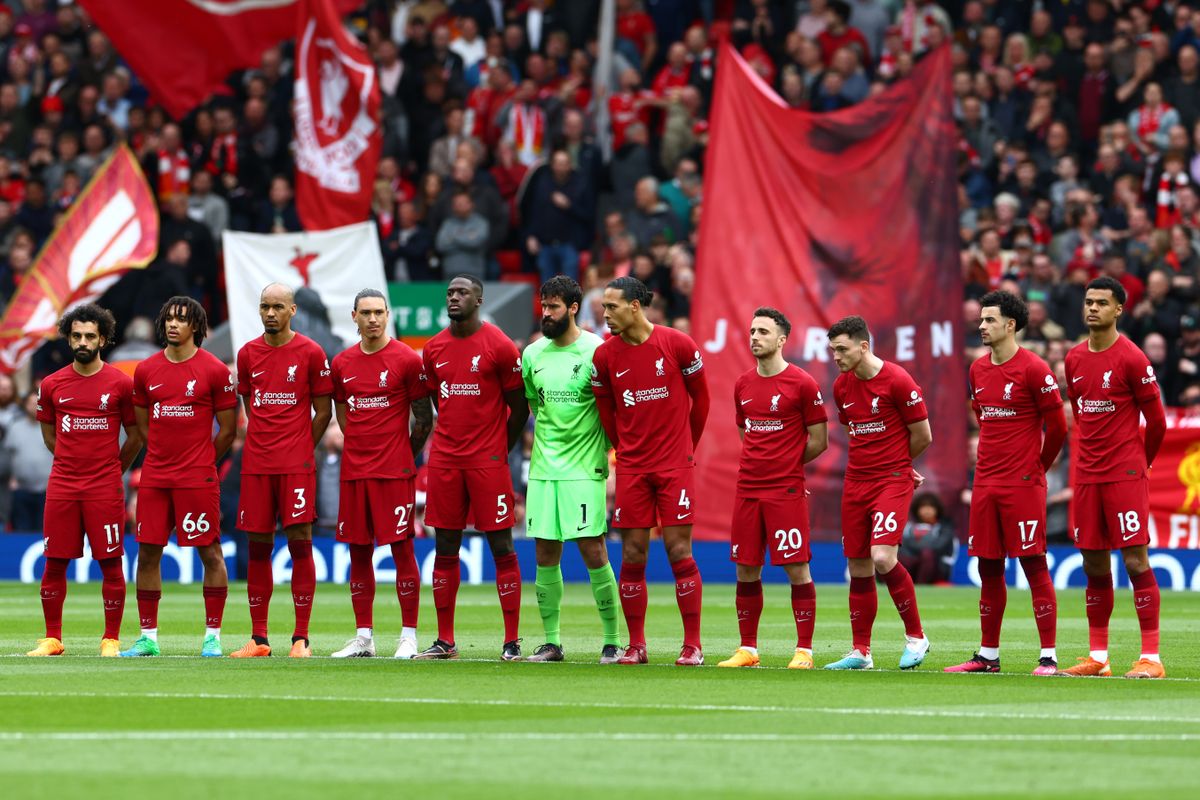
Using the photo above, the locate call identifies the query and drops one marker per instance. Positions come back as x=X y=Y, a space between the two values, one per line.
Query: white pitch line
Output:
x=507 y=736
x=704 y=707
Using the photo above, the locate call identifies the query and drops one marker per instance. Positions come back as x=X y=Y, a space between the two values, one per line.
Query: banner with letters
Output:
x=1175 y=485
x=111 y=228
x=335 y=264
x=823 y=216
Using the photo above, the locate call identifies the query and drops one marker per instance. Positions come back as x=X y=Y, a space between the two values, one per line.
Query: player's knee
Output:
x=748 y=574
x=149 y=556
x=1136 y=561
x=884 y=562
x=594 y=553
x=500 y=543
x=677 y=551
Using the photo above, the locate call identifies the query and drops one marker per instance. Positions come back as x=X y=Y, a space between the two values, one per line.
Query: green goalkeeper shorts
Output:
x=562 y=510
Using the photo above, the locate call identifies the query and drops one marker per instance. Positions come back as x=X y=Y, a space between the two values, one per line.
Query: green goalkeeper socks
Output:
x=604 y=589
x=549 y=588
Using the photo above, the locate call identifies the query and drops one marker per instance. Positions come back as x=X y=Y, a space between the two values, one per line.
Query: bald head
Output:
x=276 y=307
x=278 y=291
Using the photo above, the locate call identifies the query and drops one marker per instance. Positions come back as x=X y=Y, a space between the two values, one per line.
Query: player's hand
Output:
x=918 y=479
x=531 y=244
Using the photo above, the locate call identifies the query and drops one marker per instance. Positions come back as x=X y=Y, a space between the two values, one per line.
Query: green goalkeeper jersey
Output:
x=569 y=444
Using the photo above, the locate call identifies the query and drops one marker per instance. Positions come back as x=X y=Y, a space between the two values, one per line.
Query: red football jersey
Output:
x=878 y=412
x=469 y=377
x=647 y=384
x=1105 y=389
x=775 y=413
x=280 y=383
x=378 y=390
x=88 y=413
x=1010 y=399
x=182 y=401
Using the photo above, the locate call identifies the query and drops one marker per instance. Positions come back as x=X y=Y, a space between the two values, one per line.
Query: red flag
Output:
x=338 y=138
x=183 y=50
x=110 y=229
x=823 y=216
x=1175 y=484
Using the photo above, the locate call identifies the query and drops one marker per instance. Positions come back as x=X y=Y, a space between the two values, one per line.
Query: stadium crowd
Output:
x=1079 y=155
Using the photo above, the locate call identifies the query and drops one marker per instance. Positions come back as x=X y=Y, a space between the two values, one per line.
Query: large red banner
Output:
x=110 y=229
x=183 y=50
x=338 y=138
x=822 y=216
x=1175 y=485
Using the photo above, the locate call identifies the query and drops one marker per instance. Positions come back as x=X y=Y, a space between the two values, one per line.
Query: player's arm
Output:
x=518 y=414
x=129 y=450
x=1156 y=426
x=697 y=388
x=322 y=413
x=919 y=438
x=246 y=404
x=422 y=424
x=226 y=429
x=1055 y=420
x=49 y=436
x=142 y=420
x=339 y=409
x=818 y=441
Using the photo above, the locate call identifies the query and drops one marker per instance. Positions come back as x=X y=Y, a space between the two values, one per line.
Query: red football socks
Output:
x=1099 y=600
x=749 y=603
x=446 y=578
x=633 y=601
x=804 y=609
x=689 y=594
x=259 y=585
x=508 y=587
x=54 y=594
x=112 y=590
x=1146 y=602
x=1045 y=601
x=904 y=595
x=304 y=584
x=408 y=582
x=864 y=604
x=362 y=584
x=214 y=605
x=993 y=597
x=147 y=600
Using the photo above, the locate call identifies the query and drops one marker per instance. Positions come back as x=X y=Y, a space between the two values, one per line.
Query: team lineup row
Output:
x=641 y=392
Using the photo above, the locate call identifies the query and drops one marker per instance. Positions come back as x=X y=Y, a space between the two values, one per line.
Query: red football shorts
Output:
x=778 y=523
x=1112 y=516
x=1007 y=521
x=874 y=513
x=67 y=522
x=376 y=510
x=483 y=496
x=647 y=499
x=195 y=514
x=291 y=498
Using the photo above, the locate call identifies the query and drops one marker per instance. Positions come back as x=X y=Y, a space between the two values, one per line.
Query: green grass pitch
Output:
x=181 y=726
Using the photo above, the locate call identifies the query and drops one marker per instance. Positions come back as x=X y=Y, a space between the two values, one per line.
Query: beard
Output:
x=84 y=355
x=552 y=329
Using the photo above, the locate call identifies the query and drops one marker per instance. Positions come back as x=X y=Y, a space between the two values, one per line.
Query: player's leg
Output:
x=1023 y=517
x=887 y=522
x=155 y=521
x=594 y=552
x=548 y=586
x=216 y=592
x=63 y=528
x=492 y=501
x=104 y=524
x=863 y=599
x=804 y=611
x=1092 y=538
x=633 y=517
x=256 y=517
x=1146 y=603
x=747 y=539
x=986 y=543
x=297 y=495
x=197 y=524
x=675 y=492
x=354 y=530
x=446 y=512
x=394 y=527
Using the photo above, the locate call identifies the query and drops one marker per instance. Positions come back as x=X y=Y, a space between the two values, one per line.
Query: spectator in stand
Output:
x=29 y=467
x=469 y=46
x=1182 y=91
x=1184 y=265
x=445 y=148
x=636 y=35
x=1150 y=121
x=675 y=74
x=928 y=540
x=838 y=33
x=525 y=124
x=559 y=216
x=682 y=193
x=462 y=239
x=207 y=207
x=409 y=247
x=485 y=200
x=650 y=216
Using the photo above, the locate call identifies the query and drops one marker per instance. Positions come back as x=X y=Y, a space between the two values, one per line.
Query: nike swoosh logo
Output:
x=685 y=594
x=539 y=369
x=583 y=527
x=407 y=594
x=256 y=374
x=1039 y=616
x=1128 y=536
x=847 y=405
x=746 y=401
x=506 y=594
x=194 y=536
x=977 y=390
x=113 y=548
x=297 y=513
x=347 y=380
x=879 y=536
x=681 y=516
x=1027 y=546
x=790 y=555
x=442 y=364
x=622 y=372
x=629 y=596
x=153 y=386
x=1073 y=380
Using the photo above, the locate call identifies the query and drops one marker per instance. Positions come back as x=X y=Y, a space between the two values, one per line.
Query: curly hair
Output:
x=89 y=312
